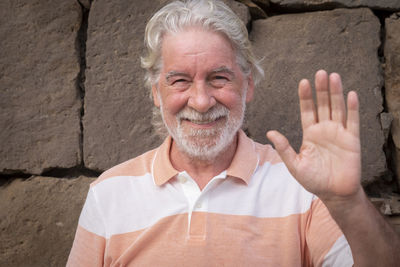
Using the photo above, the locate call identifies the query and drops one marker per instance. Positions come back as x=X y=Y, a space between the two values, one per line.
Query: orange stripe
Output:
x=267 y=154
x=87 y=250
x=317 y=228
x=229 y=240
x=134 y=167
x=245 y=160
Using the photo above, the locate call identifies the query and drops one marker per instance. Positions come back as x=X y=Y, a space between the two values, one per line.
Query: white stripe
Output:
x=91 y=217
x=272 y=192
x=339 y=255
x=128 y=204
x=193 y=194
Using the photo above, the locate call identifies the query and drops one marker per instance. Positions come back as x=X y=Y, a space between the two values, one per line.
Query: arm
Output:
x=89 y=243
x=329 y=165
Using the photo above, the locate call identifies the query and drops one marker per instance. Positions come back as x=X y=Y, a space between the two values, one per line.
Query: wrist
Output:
x=342 y=205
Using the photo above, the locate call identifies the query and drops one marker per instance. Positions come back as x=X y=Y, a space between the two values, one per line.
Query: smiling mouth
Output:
x=204 y=122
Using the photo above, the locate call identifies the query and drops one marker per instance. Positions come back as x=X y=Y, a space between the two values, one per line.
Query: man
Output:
x=209 y=195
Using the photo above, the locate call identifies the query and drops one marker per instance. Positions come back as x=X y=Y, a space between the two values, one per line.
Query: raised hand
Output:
x=329 y=161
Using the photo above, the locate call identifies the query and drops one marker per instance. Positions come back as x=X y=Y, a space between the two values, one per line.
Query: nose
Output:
x=201 y=97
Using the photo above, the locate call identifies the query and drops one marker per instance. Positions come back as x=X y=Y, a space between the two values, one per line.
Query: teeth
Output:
x=201 y=122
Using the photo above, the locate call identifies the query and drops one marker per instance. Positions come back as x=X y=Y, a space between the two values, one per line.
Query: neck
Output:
x=202 y=170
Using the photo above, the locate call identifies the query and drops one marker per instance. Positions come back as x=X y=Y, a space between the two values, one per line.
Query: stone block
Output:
x=392 y=80
x=327 y=4
x=117 y=106
x=255 y=10
x=39 y=103
x=241 y=10
x=295 y=46
x=38 y=219
x=86 y=3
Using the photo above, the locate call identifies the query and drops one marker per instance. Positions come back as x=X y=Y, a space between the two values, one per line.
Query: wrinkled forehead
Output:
x=196 y=45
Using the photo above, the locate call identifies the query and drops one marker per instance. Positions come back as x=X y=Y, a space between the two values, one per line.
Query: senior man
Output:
x=209 y=195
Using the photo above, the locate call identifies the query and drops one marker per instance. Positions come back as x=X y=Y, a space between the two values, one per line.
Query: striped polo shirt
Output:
x=143 y=212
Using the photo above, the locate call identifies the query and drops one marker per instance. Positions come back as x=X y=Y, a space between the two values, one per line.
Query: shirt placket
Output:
x=197 y=205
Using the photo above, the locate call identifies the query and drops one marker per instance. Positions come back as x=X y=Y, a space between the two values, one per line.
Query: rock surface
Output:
x=295 y=46
x=256 y=11
x=240 y=10
x=39 y=103
x=322 y=4
x=38 y=219
x=117 y=106
x=86 y=3
x=392 y=81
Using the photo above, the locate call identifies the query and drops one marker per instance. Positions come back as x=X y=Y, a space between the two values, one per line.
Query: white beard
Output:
x=205 y=144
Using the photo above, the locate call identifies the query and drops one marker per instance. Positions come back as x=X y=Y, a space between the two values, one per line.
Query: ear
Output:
x=154 y=92
x=250 y=88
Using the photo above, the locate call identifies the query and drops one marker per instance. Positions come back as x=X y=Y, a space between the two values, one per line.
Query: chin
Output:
x=205 y=147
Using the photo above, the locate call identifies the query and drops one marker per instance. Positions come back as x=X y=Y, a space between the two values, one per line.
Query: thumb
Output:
x=284 y=149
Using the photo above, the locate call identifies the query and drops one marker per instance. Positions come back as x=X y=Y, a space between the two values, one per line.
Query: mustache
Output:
x=212 y=114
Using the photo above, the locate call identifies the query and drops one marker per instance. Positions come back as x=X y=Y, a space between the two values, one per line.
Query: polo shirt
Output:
x=144 y=212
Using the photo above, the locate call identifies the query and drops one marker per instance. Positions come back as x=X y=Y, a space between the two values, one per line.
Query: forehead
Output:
x=199 y=47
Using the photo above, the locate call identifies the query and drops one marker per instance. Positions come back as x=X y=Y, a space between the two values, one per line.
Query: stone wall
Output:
x=73 y=102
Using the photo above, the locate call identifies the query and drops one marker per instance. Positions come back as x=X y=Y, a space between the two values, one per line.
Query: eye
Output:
x=219 y=81
x=180 y=83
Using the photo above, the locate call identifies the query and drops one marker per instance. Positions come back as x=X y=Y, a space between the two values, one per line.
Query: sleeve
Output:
x=89 y=243
x=326 y=243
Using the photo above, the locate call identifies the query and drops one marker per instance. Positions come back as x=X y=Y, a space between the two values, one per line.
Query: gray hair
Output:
x=212 y=15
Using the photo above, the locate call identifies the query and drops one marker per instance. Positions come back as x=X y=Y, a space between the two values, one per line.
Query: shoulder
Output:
x=138 y=166
x=267 y=153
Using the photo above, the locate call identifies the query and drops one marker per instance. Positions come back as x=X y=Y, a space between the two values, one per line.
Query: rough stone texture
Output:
x=321 y=4
x=256 y=11
x=38 y=219
x=386 y=123
x=39 y=103
x=262 y=3
x=117 y=106
x=294 y=47
x=392 y=81
x=240 y=10
x=86 y=3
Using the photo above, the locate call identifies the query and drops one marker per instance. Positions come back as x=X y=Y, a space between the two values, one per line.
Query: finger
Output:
x=322 y=92
x=353 y=117
x=307 y=107
x=284 y=149
x=338 y=109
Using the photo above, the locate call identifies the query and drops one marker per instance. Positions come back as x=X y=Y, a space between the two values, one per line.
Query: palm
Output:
x=328 y=163
x=329 y=160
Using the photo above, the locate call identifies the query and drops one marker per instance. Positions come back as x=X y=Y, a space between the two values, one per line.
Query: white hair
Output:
x=211 y=15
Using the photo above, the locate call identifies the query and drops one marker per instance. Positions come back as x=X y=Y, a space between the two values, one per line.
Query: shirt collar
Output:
x=162 y=167
x=245 y=160
x=243 y=164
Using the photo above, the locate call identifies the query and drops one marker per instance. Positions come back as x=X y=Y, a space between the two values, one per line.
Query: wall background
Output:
x=73 y=104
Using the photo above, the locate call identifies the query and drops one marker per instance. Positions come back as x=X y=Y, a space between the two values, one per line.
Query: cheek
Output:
x=230 y=99
x=173 y=103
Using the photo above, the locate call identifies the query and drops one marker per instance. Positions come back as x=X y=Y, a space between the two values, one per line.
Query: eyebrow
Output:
x=173 y=73
x=223 y=69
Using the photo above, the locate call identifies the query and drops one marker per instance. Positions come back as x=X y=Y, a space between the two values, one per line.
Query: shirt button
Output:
x=182 y=179
x=199 y=205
